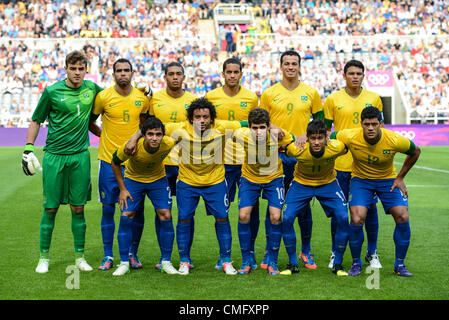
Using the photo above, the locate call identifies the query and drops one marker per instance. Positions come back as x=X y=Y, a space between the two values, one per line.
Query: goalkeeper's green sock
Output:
x=79 y=233
x=46 y=230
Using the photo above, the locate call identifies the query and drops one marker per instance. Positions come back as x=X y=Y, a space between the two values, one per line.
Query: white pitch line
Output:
x=425 y=168
x=427 y=186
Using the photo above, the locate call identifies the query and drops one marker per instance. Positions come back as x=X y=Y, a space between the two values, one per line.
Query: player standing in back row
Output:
x=343 y=109
x=170 y=105
x=290 y=104
x=123 y=109
x=66 y=165
x=234 y=102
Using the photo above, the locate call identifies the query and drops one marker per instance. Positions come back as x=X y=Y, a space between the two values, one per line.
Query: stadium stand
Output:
x=410 y=38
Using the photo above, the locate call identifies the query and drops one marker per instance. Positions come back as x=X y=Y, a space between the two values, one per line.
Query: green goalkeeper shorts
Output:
x=66 y=179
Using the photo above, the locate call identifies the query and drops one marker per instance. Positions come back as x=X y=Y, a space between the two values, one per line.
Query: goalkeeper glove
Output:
x=29 y=161
x=146 y=89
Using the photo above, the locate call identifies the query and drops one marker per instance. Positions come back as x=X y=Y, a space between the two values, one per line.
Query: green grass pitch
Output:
x=21 y=209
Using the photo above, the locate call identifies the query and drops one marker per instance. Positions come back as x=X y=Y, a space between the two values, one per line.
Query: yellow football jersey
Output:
x=374 y=161
x=171 y=110
x=233 y=108
x=262 y=163
x=144 y=166
x=312 y=171
x=345 y=111
x=291 y=109
x=201 y=157
x=120 y=117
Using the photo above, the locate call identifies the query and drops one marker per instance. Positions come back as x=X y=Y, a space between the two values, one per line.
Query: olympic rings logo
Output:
x=408 y=134
x=378 y=79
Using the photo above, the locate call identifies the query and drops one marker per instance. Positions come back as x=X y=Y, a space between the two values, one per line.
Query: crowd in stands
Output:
x=421 y=62
x=174 y=19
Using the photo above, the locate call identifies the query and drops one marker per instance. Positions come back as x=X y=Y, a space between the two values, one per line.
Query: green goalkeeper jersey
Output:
x=68 y=111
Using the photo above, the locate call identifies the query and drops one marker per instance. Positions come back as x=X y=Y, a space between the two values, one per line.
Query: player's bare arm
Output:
x=131 y=145
x=274 y=130
x=33 y=131
x=124 y=193
x=409 y=162
x=93 y=127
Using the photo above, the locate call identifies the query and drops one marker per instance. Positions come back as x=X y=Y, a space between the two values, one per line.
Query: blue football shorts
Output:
x=329 y=195
x=157 y=191
x=344 y=180
x=232 y=176
x=108 y=190
x=363 y=191
x=172 y=177
x=288 y=167
x=273 y=191
x=215 y=198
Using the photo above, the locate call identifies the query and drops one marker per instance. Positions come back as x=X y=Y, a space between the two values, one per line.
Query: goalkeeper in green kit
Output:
x=67 y=105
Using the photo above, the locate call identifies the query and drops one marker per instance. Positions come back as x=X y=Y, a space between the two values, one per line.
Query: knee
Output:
x=400 y=215
x=275 y=218
x=129 y=214
x=77 y=209
x=357 y=220
x=164 y=215
x=402 y=218
x=243 y=218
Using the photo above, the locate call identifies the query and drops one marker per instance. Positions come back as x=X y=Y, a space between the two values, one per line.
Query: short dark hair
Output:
x=370 y=113
x=201 y=103
x=290 y=53
x=258 y=116
x=316 y=126
x=174 y=64
x=353 y=63
x=74 y=57
x=232 y=60
x=122 y=60
x=152 y=123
